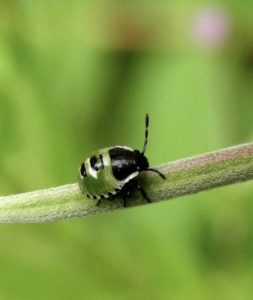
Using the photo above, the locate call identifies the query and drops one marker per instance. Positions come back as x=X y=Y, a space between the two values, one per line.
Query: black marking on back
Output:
x=95 y=197
x=102 y=161
x=83 y=170
x=125 y=162
x=94 y=163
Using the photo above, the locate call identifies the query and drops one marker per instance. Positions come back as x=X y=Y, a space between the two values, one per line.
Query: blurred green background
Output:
x=80 y=75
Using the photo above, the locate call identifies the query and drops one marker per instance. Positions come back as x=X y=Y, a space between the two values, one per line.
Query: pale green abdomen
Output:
x=102 y=182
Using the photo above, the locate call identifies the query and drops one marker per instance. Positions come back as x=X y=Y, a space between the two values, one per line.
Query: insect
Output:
x=112 y=171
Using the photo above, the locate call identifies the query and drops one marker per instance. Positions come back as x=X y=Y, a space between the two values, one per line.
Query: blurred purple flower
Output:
x=211 y=27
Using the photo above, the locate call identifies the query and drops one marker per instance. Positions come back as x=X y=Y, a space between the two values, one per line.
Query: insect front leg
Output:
x=126 y=197
x=142 y=191
x=125 y=193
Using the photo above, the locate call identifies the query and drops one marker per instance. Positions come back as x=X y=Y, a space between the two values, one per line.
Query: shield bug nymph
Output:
x=111 y=171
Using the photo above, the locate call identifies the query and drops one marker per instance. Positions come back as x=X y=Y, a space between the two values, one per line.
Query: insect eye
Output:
x=94 y=163
x=83 y=170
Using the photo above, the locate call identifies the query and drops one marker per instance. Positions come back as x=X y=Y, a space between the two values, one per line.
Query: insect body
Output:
x=111 y=171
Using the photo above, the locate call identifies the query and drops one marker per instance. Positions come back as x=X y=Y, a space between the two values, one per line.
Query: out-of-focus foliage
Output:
x=80 y=75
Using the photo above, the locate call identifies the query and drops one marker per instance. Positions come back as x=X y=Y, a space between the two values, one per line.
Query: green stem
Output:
x=184 y=177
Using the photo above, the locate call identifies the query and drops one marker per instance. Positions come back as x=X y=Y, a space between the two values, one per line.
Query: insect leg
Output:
x=141 y=189
x=156 y=171
x=125 y=196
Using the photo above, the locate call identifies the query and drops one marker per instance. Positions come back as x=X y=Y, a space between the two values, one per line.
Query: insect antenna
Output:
x=156 y=171
x=146 y=133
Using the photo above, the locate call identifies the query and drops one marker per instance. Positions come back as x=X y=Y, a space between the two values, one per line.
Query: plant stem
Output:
x=184 y=177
